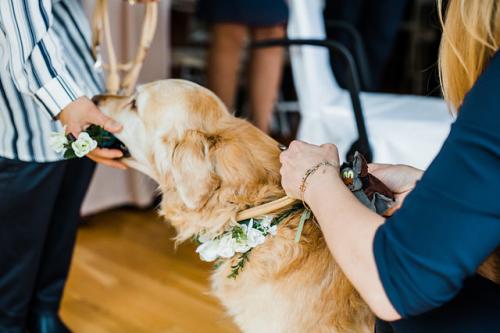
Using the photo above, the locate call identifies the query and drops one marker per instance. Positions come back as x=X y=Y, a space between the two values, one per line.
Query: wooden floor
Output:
x=126 y=277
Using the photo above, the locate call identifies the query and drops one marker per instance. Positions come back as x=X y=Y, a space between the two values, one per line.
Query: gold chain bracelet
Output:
x=308 y=173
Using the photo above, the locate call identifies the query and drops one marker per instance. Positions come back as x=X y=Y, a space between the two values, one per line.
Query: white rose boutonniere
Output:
x=94 y=136
x=83 y=145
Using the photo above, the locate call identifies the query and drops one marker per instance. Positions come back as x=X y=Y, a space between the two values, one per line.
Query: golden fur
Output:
x=209 y=166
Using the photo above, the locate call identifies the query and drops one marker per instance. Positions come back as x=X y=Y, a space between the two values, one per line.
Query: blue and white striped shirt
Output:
x=45 y=63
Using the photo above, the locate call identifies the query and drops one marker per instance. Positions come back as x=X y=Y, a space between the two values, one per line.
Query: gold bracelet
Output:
x=308 y=173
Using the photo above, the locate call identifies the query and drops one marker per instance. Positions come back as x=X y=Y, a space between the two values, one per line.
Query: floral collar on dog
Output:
x=239 y=240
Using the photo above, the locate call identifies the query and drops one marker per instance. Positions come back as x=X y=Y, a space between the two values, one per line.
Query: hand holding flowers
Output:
x=82 y=113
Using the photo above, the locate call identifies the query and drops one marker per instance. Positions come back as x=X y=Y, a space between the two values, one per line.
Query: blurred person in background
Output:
x=232 y=23
x=378 y=23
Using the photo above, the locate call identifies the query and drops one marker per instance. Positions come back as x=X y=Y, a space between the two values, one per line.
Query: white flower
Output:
x=273 y=230
x=266 y=221
x=254 y=237
x=241 y=246
x=83 y=145
x=231 y=242
x=202 y=238
x=208 y=251
x=58 y=141
x=227 y=246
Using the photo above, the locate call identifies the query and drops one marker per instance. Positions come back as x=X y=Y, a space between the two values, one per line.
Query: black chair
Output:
x=362 y=144
x=358 y=51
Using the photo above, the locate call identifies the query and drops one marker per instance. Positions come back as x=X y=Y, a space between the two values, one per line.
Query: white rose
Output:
x=254 y=237
x=58 y=141
x=266 y=221
x=227 y=246
x=208 y=250
x=202 y=238
x=273 y=230
x=241 y=246
x=83 y=145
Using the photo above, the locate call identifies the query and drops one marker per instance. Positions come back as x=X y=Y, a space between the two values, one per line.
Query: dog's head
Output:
x=209 y=164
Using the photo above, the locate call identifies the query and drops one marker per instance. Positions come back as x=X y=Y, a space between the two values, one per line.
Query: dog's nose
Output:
x=97 y=98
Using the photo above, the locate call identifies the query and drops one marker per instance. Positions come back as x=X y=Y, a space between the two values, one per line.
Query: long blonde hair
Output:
x=471 y=36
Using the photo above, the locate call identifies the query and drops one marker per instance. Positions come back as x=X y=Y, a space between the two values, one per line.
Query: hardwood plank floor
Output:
x=126 y=277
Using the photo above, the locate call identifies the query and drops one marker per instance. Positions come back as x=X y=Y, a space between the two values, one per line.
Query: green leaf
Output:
x=69 y=154
x=236 y=269
x=218 y=263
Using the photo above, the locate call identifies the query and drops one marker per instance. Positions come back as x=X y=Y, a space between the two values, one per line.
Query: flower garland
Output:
x=94 y=136
x=239 y=239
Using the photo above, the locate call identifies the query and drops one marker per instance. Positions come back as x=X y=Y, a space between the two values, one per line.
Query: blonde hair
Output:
x=471 y=36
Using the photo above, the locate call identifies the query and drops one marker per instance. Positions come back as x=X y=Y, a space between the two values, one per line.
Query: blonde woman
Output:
x=417 y=268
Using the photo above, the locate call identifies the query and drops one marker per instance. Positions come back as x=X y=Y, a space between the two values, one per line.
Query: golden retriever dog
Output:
x=209 y=166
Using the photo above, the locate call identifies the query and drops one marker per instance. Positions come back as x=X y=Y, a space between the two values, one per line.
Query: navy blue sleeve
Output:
x=450 y=222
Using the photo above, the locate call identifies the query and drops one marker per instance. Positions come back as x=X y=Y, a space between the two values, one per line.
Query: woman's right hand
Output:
x=80 y=114
x=400 y=179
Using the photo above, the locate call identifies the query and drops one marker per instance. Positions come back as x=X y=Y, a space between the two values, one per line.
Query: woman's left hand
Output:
x=298 y=158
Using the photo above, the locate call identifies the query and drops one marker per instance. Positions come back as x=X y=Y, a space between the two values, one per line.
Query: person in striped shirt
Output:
x=47 y=75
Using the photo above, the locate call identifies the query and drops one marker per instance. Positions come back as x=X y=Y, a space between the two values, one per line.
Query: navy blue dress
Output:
x=428 y=252
x=253 y=13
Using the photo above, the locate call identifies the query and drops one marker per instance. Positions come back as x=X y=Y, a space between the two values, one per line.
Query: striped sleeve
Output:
x=35 y=63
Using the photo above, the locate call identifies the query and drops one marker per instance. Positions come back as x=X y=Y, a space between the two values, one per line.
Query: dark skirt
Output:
x=476 y=309
x=253 y=13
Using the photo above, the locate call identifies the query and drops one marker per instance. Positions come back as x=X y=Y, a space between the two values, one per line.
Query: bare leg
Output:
x=265 y=76
x=228 y=41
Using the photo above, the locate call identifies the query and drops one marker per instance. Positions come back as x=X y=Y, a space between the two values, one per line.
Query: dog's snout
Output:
x=97 y=98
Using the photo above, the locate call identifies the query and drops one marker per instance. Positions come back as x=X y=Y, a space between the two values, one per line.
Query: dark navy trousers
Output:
x=39 y=213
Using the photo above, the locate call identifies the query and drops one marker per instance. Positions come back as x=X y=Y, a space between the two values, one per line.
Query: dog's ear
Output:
x=192 y=169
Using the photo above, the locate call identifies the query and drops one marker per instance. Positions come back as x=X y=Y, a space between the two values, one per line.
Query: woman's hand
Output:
x=80 y=114
x=301 y=156
x=400 y=179
x=347 y=225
